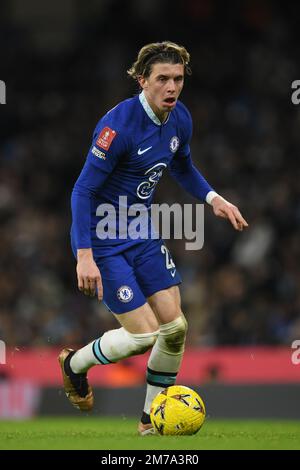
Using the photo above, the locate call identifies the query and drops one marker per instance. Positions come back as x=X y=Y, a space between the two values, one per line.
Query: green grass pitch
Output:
x=114 y=433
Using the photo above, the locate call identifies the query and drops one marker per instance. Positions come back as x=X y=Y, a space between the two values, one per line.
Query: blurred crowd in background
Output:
x=64 y=64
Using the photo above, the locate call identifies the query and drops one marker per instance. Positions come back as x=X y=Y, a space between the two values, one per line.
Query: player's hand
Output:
x=225 y=209
x=88 y=274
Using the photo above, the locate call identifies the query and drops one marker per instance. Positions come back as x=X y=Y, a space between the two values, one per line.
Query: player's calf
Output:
x=164 y=361
x=118 y=344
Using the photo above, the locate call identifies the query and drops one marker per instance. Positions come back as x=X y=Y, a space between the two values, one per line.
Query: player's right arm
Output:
x=102 y=158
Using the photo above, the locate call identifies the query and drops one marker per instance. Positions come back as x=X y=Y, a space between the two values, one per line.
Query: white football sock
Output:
x=111 y=347
x=165 y=359
x=83 y=359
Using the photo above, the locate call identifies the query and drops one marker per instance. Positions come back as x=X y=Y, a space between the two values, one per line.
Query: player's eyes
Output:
x=164 y=79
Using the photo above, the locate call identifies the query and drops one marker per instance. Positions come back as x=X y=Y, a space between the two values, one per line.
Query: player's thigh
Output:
x=158 y=277
x=140 y=320
x=166 y=304
x=121 y=291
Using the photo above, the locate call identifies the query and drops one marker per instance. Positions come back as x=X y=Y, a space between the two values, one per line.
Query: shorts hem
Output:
x=127 y=311
x=165 y=286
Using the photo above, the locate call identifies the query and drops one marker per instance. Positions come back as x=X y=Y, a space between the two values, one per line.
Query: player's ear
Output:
x=142 y=81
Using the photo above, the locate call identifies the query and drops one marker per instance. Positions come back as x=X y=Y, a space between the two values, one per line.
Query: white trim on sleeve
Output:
x=210 y=195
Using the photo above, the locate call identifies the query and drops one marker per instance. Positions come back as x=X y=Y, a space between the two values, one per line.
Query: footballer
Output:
x=133 y=144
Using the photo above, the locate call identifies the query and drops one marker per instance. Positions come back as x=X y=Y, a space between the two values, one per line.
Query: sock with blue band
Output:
x=165 y=359
x=113 y=346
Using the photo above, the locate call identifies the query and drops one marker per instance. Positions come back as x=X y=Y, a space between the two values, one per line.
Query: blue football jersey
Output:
x=130 y=151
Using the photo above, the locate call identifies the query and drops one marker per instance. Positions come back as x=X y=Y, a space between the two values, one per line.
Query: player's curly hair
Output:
x=163 y=52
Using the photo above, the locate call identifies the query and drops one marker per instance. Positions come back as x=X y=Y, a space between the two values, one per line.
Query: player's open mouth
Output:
x=170 y=101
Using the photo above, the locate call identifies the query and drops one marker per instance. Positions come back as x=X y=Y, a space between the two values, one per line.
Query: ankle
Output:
x=145 y=419
x=67 y=364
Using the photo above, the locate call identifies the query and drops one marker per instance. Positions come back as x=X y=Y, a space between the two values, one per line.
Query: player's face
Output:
x=163 y=87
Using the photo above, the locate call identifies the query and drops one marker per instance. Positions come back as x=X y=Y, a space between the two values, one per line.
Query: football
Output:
x=177 y=410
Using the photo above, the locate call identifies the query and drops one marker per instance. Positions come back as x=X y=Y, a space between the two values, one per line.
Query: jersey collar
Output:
x=149 y=110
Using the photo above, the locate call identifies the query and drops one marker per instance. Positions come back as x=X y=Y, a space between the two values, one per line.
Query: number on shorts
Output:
x=169 y=262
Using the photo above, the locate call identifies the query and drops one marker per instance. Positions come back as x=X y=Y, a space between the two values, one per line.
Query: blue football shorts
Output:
x=130 y=277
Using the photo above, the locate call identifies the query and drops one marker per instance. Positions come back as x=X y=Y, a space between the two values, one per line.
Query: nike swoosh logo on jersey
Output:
x=173 y=273
x=140 y=152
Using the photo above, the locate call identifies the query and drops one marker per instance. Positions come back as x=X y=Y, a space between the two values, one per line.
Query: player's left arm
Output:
x=190 y=178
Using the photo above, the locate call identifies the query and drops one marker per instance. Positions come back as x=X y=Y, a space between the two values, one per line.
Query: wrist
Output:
x=84 y=253
x=210 y=196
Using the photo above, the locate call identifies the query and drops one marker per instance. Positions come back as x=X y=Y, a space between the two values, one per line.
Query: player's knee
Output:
x=174 y=334
x=140 y=343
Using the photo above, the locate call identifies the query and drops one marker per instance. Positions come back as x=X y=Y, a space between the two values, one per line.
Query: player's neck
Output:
x=161 y=115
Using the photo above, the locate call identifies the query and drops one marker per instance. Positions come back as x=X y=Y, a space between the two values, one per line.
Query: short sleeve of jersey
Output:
x=108 y=146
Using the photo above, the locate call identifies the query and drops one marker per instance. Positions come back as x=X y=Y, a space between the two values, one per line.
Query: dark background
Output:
x=64 y=64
